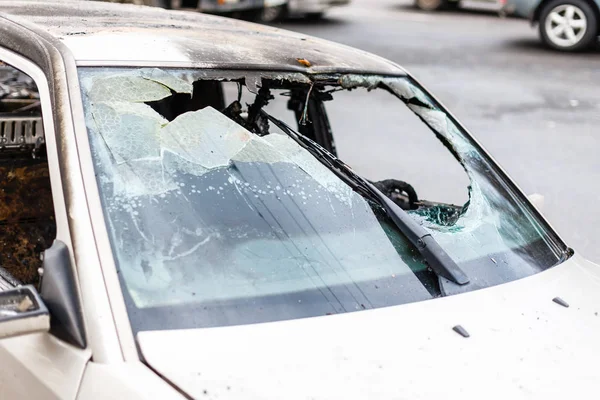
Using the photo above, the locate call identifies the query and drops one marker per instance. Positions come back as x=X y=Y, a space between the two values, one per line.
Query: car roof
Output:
x=99 y=33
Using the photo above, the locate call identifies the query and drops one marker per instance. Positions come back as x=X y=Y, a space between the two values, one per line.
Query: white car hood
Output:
x=521 y=345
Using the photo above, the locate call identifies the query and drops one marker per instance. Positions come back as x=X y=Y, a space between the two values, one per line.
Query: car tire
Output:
x=568 y=25
x=429 y=5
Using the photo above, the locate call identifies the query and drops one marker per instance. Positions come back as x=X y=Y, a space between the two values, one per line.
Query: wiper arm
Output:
x=437 y=258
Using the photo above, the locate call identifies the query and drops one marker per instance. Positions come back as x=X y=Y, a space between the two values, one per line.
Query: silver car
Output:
x=566 y=25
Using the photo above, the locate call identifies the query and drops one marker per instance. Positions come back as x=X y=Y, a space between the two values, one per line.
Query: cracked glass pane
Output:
x=217 y=217
x=495 y=219
x=127 y=89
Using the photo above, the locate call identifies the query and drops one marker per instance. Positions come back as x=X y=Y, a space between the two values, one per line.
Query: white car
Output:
x=177 y=172
x=313 y=9
x=308 y=9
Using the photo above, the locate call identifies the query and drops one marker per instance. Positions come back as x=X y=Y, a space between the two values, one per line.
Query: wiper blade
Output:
x=437 y=258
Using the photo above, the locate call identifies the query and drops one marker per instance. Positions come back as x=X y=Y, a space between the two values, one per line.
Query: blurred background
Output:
x=529 y=92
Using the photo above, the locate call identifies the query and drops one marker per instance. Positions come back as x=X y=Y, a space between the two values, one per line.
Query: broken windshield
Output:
x=217 y=218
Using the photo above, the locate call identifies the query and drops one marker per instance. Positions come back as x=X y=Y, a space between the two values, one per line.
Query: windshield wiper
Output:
x=438 y=260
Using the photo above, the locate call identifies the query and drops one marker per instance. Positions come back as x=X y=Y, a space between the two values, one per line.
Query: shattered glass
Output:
x=202 y=210
x=219 y=226
x=205 y=137
x=140 y=86
x=495 y=222
x=194 y=142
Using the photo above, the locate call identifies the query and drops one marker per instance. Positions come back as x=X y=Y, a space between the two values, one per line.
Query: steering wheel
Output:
x=400 y=192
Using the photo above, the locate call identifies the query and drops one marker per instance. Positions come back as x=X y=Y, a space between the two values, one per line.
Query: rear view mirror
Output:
x=22 y=311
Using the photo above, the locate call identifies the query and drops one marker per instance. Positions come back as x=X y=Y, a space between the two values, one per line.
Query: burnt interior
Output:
x=307 y=102
x=27 y=223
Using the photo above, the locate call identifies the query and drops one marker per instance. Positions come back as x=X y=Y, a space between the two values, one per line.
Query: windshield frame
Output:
x=97 y=214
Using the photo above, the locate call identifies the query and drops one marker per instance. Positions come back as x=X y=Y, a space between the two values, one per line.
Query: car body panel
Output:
x=529 y=8
x=41 y=367
x=138 y=35
x=521 y=345
x=521 y=8
x=131 y=381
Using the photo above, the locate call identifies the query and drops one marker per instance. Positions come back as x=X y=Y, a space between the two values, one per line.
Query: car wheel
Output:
x=568 y=25
x=429 y=5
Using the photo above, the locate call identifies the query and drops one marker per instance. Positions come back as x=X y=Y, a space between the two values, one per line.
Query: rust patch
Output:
x=304 y=62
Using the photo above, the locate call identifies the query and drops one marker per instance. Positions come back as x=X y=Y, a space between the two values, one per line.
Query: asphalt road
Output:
x=537 y=111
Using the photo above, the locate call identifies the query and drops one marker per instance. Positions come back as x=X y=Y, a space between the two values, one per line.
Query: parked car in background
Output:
x=257 y=10
x=435 y=5
x=566 y=25
x=308 y=9
x=246 y=9
x=182 y=176
x=312 y=9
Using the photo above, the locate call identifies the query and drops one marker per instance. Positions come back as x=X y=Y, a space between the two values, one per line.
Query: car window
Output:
x=216 y=217
x=26 y=210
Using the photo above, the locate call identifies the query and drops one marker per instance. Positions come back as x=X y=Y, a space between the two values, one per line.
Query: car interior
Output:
x=305 y=112
x=26 y=209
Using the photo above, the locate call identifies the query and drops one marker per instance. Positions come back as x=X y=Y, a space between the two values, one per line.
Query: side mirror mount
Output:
x=59 y=291
x=22 y=311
